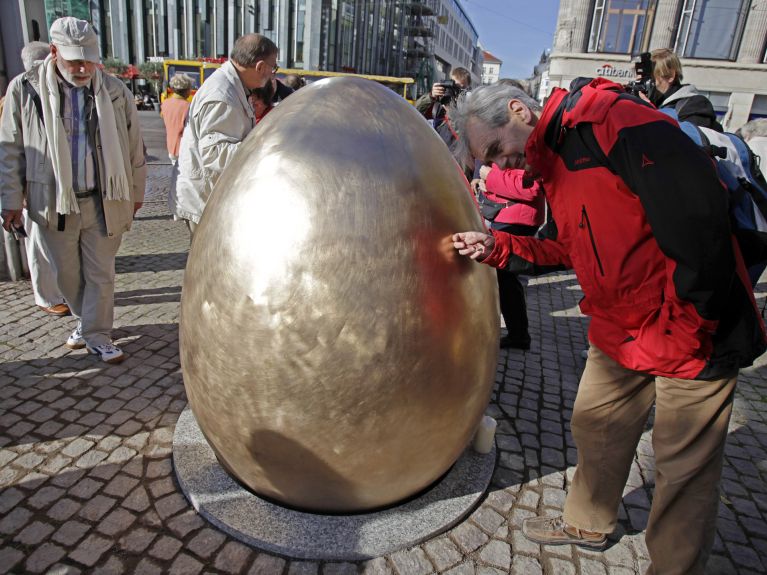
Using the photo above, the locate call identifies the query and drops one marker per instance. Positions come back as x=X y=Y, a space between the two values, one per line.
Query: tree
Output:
x=152 y=72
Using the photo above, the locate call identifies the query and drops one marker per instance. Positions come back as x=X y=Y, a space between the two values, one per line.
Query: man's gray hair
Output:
x=33 y=52
x=488 y=104
x=754 y=129
x=250 y=49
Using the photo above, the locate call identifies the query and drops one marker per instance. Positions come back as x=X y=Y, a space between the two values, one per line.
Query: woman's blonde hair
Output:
x=666 y=63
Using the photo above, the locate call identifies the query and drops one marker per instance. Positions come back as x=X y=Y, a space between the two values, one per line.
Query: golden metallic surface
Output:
x=337 y=353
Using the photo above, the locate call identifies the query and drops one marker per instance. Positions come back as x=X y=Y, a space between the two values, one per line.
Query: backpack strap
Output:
x=35 y=98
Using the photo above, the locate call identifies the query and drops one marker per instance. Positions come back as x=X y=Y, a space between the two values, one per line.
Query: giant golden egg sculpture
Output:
x=337 y=353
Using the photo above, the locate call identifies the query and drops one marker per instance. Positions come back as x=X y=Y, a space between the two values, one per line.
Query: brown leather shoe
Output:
x=554 y=531
x=60 y=309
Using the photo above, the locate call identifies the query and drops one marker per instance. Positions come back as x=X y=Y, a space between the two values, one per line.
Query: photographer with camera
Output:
x=659 y=81
x=433 y=106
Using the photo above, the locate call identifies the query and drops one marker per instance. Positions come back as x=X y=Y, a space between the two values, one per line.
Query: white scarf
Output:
x=117 y=184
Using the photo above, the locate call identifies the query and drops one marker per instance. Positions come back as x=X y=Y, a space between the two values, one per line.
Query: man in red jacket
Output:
x=643 y=221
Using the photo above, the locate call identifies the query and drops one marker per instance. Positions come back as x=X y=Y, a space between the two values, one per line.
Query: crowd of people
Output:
x=596 y=180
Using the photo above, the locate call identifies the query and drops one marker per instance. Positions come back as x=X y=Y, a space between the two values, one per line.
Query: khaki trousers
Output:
x=83 y=257
x=691 y=418
x=41 y=271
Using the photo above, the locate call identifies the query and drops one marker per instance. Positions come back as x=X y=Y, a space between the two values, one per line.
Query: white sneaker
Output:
x=109 y=353
x=76 y=341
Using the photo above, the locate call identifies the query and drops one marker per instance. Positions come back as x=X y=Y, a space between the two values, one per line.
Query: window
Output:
x=711 y=29
x=621 y=26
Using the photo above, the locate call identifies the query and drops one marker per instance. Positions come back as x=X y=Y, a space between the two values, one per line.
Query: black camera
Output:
x=452 y=90
x=645 y=80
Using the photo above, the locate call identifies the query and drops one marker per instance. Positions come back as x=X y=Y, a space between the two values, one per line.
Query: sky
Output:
x=514 y=31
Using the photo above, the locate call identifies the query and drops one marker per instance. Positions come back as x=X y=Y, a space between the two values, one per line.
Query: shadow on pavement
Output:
x=151 y=262
x=147 y=296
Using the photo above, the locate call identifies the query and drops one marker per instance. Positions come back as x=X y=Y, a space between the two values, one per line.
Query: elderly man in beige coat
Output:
x=70 y=139
x=220 y=118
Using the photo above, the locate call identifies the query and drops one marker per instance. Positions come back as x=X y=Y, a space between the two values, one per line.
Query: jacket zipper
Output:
x=585 y=220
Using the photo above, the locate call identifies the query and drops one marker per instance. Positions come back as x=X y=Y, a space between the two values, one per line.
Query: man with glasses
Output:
x=220 y=117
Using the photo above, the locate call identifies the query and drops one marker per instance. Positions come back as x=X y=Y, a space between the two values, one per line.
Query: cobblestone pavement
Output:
x=85 y=449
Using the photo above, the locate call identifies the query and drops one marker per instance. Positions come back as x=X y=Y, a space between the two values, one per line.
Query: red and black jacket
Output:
x=643 y=221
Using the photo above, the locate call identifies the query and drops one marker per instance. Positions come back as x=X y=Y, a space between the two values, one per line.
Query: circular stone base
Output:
x=270 y=527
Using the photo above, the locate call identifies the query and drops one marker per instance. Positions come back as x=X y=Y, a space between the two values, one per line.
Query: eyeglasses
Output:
x=275 y=68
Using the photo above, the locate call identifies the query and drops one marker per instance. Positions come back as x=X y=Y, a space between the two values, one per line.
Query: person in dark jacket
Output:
x=643 y=222
x=433 y=106
x=690 y=105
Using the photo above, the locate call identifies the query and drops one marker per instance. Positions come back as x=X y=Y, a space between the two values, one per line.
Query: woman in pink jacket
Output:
x=523 y=214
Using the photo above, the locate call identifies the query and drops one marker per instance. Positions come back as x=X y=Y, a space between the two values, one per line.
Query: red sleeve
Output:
x=508 y=184
x=540 y=253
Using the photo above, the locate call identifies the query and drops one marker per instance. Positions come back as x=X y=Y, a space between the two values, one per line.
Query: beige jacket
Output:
x=25 y=161
x=220 y=118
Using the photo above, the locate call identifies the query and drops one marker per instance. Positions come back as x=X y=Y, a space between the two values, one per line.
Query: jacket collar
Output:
x=588 y=100
x=680 y=92
x=234 y=80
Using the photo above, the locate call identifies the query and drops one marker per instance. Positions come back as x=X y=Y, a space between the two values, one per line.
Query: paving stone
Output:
x=501 y=500
x=206 y=542
x=522 y=544
x=95 y=509
x=185 y=523
x=148 y=567
x=165 y=548
x=138 y=500
x=85 y=489
x=497 y=554
x=43 y=557
x=113 y=566
x=487 y=519
x=442 y=552
x=9 y=558
x=485 y=570
x=303 y=568
x=77 y=447
x=90 y=550
x=187 y=565
x=462 y=569
x=63 y=509
x=591 y=567
x=116 y=522
x=137 y=540
x=233 y=556
x=15 y=520
x=120 y=486
x=34 y=533
x=468 y=537
x=70 y=533
x=170 y=505
x=9 y=498
x=411 y=562
x=521 y=565
x=746 y=557
x=267 y=565
x=377 y=566
x=561 y=567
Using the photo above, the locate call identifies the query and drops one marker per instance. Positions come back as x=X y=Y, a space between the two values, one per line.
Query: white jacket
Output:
x=220 y=117
x=25 y=162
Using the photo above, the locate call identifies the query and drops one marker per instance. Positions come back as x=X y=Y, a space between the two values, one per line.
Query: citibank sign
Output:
x=610 y=71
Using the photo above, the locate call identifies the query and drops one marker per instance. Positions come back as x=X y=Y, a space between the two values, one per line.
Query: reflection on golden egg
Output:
x=337 y=353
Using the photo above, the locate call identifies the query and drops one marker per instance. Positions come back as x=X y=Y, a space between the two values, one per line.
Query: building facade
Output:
x=722 y=45
x=491 y=68
x=456 y=42
x=422 y=39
